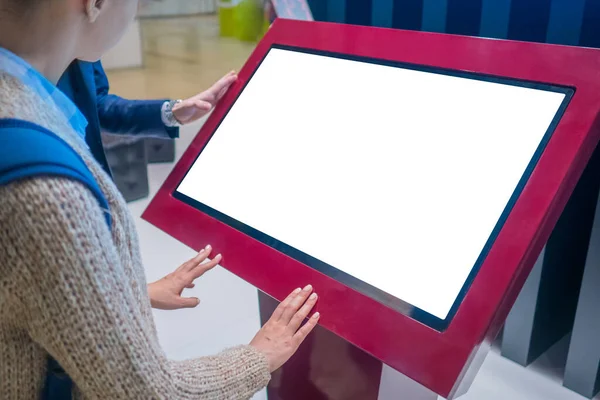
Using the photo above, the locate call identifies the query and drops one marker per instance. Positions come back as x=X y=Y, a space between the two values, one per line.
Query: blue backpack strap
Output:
x=26 y=151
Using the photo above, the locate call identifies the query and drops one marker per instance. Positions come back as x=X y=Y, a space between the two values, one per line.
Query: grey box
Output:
x=128 y=163
x=160 y=150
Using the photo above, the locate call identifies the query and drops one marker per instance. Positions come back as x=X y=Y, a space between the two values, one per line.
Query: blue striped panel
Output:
x=464 y=17
x=336 y=10
x=529 y=20
x=358 y=12
x=434 y=15
x=590 y=28
x=495 y=15
x=566 y=17
x=407 y=14
x=382 y=13
x=318 y=9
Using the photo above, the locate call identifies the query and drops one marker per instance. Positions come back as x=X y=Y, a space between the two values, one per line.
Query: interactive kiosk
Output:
x=411 y=178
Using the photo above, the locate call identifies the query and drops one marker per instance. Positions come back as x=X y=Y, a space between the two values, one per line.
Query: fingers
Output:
x=301 y=315
x=191 y=286
x=194 y=262
x=223 y=84
x=202 y=105
x=221 y=93
x=282 y=306
x=189 y=302
x=202 y=268
x=307 y=328
x=294 y=305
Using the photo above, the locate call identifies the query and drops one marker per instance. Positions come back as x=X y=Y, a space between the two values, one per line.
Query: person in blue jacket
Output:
x=87 y=85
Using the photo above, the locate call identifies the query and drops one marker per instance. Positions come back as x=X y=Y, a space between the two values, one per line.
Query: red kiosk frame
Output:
x=444 y=362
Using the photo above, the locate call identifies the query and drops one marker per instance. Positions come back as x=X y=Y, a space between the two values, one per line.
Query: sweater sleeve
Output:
x=77 y=302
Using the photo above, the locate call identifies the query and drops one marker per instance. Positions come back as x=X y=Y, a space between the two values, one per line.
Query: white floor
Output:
x=228 y=315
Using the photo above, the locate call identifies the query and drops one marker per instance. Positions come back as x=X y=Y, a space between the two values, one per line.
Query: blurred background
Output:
x=180 y=47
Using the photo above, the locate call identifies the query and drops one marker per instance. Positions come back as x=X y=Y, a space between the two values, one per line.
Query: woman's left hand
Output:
x=165 y=294
x=196 y=107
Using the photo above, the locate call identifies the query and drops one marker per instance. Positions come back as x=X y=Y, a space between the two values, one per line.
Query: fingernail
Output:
x=316 y=315
x=207 y=247
x=218 y=255
x=307 y=288
x=313 y=296
x=297 y=291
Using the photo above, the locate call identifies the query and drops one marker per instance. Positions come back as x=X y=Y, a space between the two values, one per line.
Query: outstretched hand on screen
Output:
x=281 y=336
x=165 y=294
x=196 y=107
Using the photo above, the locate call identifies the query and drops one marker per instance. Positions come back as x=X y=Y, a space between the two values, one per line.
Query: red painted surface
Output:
x=325 y=367
x=439 y=361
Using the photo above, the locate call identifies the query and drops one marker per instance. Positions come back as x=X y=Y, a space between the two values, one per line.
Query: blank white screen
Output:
x=394 y=176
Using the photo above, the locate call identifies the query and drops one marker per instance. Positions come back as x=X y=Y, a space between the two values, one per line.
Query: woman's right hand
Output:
x=281 y=336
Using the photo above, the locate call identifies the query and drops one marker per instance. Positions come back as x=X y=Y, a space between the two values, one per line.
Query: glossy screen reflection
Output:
x=392 y=179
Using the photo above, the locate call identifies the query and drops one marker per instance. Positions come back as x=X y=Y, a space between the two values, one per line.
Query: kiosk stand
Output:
x=540 y=317
x=412 y=178
x=327 y=367
x=582 y=372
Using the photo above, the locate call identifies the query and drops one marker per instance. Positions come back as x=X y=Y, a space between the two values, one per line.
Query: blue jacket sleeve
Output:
x=128 y=117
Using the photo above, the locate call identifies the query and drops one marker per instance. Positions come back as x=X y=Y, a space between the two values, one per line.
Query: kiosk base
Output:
x=582 y=372
x=539 y=317
x=395 y=386
x=327 y=367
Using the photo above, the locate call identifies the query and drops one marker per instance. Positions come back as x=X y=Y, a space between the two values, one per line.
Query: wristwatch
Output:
x=167 y=113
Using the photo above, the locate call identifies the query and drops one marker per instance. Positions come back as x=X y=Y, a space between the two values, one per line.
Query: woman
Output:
x=69 y=287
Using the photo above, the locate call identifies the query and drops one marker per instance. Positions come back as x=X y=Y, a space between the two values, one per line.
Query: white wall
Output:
x=162 y=8
x=128 y=53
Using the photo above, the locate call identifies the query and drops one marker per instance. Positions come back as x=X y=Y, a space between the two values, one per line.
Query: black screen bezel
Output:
x=378 y=295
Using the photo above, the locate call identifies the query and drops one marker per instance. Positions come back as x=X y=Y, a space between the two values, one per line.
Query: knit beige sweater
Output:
x=71 y=288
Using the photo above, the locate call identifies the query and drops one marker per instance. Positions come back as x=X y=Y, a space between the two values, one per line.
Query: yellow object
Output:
x=226 y=17
x=248 y=19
